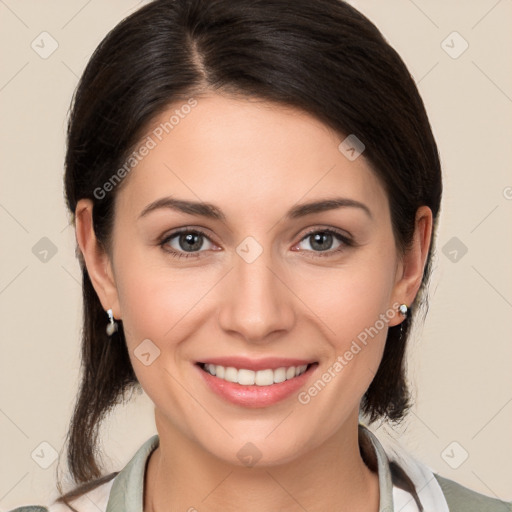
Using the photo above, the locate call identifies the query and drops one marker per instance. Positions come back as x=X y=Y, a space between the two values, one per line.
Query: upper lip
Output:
x=265 y=363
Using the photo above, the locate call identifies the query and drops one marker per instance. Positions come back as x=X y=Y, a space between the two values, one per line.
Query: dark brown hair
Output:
x=321 y=56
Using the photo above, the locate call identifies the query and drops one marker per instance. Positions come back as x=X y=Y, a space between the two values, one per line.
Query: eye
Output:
x=185 y=243
x=322 y=241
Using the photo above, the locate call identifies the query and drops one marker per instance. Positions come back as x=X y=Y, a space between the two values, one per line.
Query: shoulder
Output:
x=130 y=479
x=30 y=508
x=463 y=499
x=94 y=500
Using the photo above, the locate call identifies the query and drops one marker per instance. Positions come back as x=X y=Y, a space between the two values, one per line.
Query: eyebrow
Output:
x=211 y=211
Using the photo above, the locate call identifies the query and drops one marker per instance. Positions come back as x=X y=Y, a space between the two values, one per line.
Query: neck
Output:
x=181 y=475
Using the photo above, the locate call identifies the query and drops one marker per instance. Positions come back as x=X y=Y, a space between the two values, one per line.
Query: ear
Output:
x=97 y=261
x=411 y=266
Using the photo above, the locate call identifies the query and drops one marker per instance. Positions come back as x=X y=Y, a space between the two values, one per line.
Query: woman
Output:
x=255 y=189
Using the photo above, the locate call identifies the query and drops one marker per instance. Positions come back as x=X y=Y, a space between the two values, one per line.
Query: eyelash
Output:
x=346 y=242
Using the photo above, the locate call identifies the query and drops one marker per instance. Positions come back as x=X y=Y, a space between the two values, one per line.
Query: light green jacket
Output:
x=124 y=493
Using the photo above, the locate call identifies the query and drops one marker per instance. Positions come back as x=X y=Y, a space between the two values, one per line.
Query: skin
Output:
x=254 y=160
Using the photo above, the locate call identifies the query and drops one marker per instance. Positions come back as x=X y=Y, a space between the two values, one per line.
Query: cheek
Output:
x=355 y=316
x=162 y=304
x=154 y=304
x=351 y=298
x=353 y=305
x=157 y=305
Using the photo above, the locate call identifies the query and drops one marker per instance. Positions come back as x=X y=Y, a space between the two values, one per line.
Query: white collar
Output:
x=429 y=491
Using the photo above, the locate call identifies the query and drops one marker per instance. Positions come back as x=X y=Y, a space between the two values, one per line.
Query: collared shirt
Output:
x=125 y=492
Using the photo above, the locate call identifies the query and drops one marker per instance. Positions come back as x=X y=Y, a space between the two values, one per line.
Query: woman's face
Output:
x=256 y=280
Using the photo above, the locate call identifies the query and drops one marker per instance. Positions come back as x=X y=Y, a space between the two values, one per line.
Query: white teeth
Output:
x=246 y=377
x=259 y=378
x=264 y=377
x=231 y=374
x=279 y=375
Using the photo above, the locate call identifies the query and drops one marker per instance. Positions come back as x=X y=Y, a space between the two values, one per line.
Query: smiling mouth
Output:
x=246 y=377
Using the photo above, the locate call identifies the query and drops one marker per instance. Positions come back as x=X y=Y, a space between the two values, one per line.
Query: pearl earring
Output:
x=112 y=325
x=403 y=309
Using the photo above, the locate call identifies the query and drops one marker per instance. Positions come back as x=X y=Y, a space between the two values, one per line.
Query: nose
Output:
x=257 y=302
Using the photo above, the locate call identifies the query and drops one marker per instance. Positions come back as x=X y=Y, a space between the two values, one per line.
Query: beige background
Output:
x=460 y=361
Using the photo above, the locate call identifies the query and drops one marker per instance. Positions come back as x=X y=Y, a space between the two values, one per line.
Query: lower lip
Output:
x=255 y=396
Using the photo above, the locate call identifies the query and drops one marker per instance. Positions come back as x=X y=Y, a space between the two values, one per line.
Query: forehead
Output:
x=247 y=156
